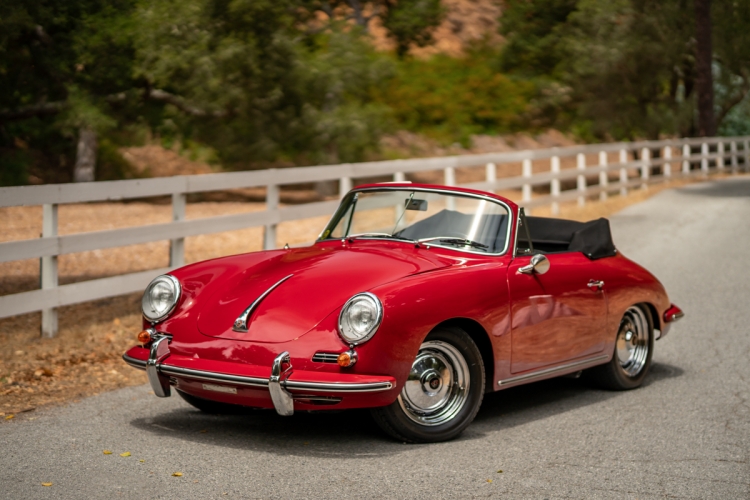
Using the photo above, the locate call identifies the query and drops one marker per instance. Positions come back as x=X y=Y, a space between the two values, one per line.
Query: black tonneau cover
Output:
x=593 y=238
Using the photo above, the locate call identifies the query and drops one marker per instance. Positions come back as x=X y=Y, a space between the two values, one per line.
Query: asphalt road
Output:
x=684 y=434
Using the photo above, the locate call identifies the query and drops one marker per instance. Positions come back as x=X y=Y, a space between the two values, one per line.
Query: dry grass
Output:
x=84 y=359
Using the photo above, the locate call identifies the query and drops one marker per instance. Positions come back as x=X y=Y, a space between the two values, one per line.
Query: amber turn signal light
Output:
x=347 y=359
x=144 y=337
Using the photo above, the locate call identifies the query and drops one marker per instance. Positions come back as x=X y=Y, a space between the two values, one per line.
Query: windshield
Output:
x=444 y=219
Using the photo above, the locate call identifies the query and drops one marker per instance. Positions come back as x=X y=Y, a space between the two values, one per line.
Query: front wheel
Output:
x=634 y=347
x=442 y=394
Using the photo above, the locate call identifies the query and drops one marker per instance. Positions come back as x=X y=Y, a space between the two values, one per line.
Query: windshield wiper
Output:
x=378 y=235
x=454 y=241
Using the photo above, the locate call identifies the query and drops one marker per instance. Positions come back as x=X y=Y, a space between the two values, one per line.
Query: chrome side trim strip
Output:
x=240 y=324
x=552 y=371
x=135 y=363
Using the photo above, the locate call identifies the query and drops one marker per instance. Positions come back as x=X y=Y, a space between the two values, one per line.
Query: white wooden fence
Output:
x=638 y=165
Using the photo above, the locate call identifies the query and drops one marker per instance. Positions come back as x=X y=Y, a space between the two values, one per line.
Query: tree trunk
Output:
x=704 y=82
x=85 y=156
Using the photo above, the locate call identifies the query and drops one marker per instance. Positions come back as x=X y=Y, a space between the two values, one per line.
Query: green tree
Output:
x=628 y=67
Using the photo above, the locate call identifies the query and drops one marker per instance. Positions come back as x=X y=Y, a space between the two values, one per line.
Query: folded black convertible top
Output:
x=593 y=238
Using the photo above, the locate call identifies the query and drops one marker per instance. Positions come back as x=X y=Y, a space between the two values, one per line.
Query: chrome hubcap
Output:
x=633 y=341
x=437 y=386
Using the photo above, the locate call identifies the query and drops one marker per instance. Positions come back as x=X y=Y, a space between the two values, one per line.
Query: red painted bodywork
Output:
x=522 y=322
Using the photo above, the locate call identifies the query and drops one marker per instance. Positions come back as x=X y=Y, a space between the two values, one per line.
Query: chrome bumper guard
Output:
x=278 y=384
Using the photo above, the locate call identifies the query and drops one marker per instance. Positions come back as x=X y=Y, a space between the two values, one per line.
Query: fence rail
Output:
x=639 y=164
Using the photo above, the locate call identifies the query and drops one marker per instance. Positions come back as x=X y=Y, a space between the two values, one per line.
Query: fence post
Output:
x=733 y=149
x=177 y=246
x=720 y=159
x=645 y=167
x=399 y=177
x=667 y=165
x=526 y=187
x=686 y=159
x=450 y=180
x=555 y=185
x=623 y=173
x=491 y=174
x=272 y=203
x=345 y=185
x=581 y=179
x=48 y=270
x=704 y=158
x=603 y=176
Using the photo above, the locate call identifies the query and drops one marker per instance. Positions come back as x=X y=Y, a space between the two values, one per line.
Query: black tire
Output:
x=628 y=367
x=212 y=407
x=446 y=354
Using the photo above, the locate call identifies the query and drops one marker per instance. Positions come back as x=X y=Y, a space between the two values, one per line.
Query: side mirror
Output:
x=539 y=264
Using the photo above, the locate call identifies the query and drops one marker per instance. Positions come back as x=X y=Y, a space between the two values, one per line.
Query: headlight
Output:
x=360 y=318
x=160 y=297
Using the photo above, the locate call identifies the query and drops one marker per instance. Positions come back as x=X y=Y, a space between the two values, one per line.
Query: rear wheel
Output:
x=208 y=406
x=633 y=350
x=442 y=394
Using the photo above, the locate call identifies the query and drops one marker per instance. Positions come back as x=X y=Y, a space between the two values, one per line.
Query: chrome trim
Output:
x=550 y=371
x=282 y=400
x=240 y=324
x=539 y=264
x=135 y=363
x=159 y=383
x=342 y=387
x=633 y=342
x=213 y=376
x=438 y=384
x=317 y=400
x=376 y=325
x=294 y=385
x=326 y=357
x=178 y=294
x=443 y=191
x=676 y=316
x=599 y=284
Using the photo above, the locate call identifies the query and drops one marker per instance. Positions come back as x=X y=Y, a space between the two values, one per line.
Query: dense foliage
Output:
x=628 y=67
x=452 y=98
x=260 y=82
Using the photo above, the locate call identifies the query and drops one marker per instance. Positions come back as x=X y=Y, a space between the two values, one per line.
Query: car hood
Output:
x=323 y=278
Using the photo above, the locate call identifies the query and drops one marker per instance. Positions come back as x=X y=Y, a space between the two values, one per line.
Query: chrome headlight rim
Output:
x=376 y=323
x=177 y=294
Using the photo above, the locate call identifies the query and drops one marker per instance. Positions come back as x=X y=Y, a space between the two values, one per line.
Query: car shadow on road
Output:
x=353 y=433
x=526 y=403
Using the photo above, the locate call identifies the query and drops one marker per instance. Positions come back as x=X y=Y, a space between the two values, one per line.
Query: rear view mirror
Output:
x=414 y=204
x=539 y=264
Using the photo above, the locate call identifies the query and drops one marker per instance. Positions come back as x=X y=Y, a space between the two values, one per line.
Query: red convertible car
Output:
x=414 y=301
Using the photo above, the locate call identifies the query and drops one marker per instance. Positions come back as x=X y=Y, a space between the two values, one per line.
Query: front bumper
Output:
x=284 y=385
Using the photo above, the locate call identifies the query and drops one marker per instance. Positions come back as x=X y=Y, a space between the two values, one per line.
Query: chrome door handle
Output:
x=595 y=284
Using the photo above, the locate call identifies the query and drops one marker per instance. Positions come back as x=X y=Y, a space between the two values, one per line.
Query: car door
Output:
x=556 y=316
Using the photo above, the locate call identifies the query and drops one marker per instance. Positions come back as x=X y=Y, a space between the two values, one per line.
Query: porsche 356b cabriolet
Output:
x=414 y=301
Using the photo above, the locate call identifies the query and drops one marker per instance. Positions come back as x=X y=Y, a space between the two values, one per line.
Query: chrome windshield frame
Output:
x=448 y=192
